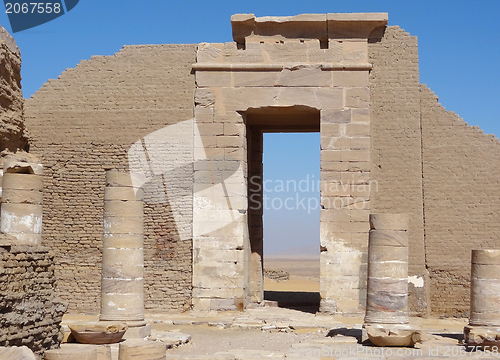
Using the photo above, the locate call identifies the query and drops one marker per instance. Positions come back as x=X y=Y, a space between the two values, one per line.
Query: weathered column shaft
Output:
x=485 y=288
x=122 y=285
x=387 y=289
x=22 y=207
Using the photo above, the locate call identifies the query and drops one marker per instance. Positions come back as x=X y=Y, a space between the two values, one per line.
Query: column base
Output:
x=137 y=329
x=483 y=336
x=392 y=334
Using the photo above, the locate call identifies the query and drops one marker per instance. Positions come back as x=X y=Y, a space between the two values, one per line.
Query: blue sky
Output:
x=459 y=49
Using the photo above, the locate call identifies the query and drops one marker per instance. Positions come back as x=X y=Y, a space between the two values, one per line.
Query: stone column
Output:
x=387 y=288
x=21 y=214
x=386 y=319
x=122 y=286
x=484 y=322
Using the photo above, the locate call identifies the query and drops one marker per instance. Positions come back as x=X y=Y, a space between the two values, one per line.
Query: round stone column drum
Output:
x=140 y=349
x=387 y=288
x=485 y=288
x=21 y=214
x=122 y=285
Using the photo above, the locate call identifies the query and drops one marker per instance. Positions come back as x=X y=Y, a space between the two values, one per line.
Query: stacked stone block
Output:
x=22 y=207
x=485 y=288
x=484 y=322
x=386 y=319
x=122 y=284
x=387 y=296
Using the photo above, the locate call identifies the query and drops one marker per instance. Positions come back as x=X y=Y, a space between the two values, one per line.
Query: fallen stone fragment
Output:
x=481 y=336
x=393 y=335
x=183 y=322
x=171 y=338
x=220 y=325
x=247 y=323
x=268 y=327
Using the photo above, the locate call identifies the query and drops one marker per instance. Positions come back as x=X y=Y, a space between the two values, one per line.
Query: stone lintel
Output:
x=306 y=26
x=276 y=67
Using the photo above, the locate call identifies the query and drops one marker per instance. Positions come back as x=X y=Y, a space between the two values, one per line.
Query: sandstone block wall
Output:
x=84 y=123
x=379 y=128
x=396 y=144
x=461 y=176
x=30 y=312
x=272 y=81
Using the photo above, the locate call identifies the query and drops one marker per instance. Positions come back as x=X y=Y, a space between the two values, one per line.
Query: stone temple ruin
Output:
x=187 y=123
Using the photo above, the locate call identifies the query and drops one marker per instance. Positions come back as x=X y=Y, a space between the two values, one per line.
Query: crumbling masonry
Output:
x=30 y=310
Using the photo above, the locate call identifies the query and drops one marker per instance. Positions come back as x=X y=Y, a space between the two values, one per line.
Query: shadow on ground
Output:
x=295 y=300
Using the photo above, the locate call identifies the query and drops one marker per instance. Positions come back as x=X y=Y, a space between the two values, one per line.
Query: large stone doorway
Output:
x=274 y=77
x=258 y=122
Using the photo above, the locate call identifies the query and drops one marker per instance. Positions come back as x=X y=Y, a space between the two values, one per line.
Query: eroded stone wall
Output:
x=30 y=311
x=12 y=134
x=84 y=123
x=461 y=175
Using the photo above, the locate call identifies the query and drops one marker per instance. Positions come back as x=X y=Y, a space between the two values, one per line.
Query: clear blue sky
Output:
x=459 y=48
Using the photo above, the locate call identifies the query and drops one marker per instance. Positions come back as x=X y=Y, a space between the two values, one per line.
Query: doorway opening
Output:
x=284 y=208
